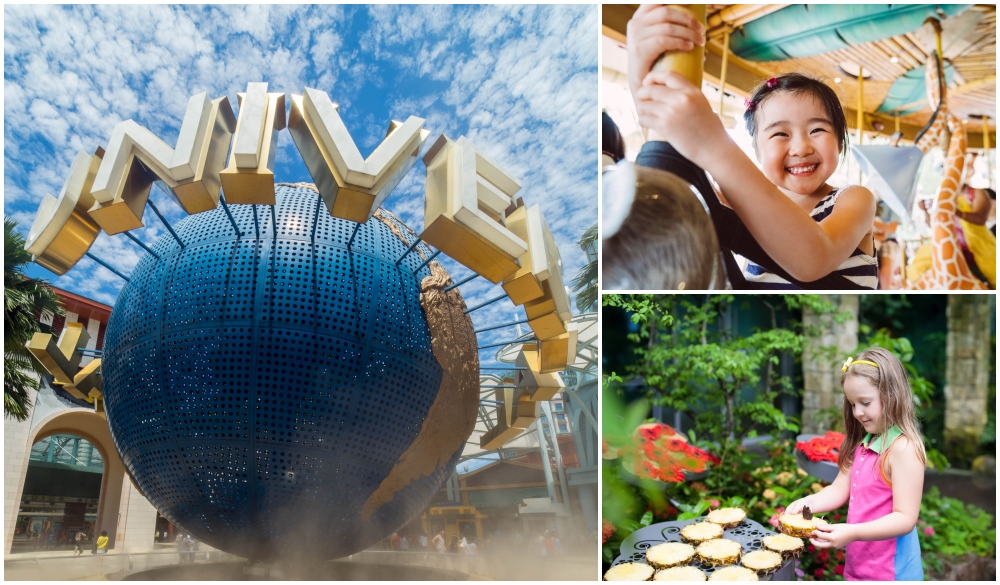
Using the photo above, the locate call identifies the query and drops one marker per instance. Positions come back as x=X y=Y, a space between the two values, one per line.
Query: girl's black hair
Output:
x=612 y=143
x=798 y=83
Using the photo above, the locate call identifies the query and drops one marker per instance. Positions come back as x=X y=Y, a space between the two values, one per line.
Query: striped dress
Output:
x=859 y=268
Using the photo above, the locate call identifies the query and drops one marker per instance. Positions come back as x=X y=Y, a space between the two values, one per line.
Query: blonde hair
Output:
x=894 y=395
x=667 y=242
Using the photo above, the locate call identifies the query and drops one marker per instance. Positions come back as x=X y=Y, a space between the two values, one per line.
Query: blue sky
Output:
x=519 y=81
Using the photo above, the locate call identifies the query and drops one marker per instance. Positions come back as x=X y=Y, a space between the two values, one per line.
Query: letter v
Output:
x=352 y=187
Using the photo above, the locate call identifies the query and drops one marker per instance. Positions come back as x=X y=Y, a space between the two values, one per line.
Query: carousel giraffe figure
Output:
x=949 y=269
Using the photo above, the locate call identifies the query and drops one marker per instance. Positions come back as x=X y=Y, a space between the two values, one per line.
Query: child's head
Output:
x=799 y=131
x=877 y=397
x=666 y=239
x=612 y=143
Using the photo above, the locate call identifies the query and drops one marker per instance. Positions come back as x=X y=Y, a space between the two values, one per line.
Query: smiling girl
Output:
x=809 y=234
x=881 y=476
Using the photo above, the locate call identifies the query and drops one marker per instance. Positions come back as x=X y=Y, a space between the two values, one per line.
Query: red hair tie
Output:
x=772 y=83
x=748 y=103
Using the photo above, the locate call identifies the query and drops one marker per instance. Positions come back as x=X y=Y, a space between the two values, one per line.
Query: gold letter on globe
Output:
x=63 y=230
x=136 y=158
x=467 y=195
x=62 y=358
x=249 y=178
x=352 y=187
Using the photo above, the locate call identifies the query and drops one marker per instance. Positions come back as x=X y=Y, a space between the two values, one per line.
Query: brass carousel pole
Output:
x=691 y=63
x=861 y=109
x=725 y=64
x=986 y=151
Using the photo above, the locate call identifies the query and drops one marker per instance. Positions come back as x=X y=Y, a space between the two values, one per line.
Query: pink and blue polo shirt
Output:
x=896 y=559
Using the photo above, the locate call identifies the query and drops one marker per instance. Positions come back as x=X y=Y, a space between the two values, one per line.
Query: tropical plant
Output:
x=951 y=528
x=706 y=367
x=24 y=299
x=585 y=282
x=689 y=359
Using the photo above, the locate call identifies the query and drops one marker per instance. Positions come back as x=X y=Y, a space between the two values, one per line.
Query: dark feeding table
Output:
x=749 y=534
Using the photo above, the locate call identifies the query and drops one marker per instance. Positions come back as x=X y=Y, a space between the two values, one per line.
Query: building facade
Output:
x=61 y=470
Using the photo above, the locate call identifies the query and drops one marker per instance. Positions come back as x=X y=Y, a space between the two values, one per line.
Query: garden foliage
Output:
x=730 y=386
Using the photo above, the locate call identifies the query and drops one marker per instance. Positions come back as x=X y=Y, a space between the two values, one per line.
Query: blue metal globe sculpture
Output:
x=260 y=387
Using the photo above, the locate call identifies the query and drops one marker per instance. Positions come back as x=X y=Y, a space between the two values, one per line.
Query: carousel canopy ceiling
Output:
x=908 y=94
x=804 y=30
x=886 y=53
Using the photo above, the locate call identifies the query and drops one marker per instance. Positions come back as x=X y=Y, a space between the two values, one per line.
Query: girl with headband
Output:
x=881 y=476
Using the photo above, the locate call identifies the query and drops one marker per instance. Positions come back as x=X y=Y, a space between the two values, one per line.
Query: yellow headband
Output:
x=851 y=361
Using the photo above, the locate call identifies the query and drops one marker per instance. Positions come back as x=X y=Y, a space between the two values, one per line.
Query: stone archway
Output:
x=94 y=428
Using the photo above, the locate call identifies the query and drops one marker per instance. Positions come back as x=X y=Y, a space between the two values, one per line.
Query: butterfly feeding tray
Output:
x=748 y=533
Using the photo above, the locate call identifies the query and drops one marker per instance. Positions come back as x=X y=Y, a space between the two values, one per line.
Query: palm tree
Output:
x=585 y=283
x=24 y=299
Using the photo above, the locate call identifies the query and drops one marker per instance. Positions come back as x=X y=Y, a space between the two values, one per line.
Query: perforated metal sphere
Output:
x=259 y=388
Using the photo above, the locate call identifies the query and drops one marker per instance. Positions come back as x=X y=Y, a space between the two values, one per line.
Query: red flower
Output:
x=839 y=569
x=818 y=573
x=657 y=431
x=823 y=556
x=825 y=448
x=714 y=503
x=836 y=517
x=607 y=529
x=650 y=470
x=661 y=454
x=672 y=474
x=811 y=548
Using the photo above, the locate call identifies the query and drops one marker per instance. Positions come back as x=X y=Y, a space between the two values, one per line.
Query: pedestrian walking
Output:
x=78 y=543
x=438 y=542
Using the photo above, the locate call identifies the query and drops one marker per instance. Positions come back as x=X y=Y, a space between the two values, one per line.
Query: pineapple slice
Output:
x=734 y=574
x=685 y=573
x=796 y=525
x=788 y=546
x=629 y=572
x=669 y=554
x=764 y=562
x=727 y=517
x=700 y=532
x=720 y=551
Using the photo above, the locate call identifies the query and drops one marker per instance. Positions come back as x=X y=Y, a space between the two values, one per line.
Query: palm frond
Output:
x=25 y=300
x=585 y=282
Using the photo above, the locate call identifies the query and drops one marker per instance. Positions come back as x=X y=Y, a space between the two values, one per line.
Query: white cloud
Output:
x=520 y=81
x=326 y=44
